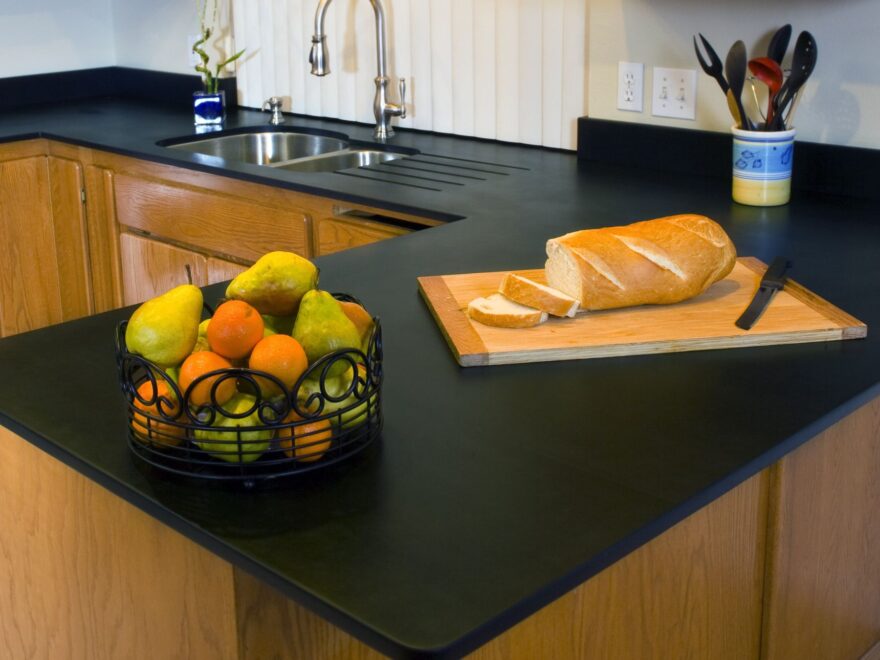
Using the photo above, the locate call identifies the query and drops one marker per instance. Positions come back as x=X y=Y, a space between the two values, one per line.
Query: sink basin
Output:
x=263 y=148
x=341 y=160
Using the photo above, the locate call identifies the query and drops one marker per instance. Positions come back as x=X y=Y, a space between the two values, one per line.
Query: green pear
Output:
x=165 y=328
x=275 y=284
x=202 y=339
x=227 y=444
x=321 y=327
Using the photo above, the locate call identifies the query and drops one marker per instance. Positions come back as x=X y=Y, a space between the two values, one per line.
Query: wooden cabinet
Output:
x=44 y=276
x=86 y=231
x=153 y=267
x=334 y=234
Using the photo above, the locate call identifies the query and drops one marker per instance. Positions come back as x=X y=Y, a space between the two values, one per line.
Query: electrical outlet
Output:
x=193 y=57
x=630 y=86
x=674 y=93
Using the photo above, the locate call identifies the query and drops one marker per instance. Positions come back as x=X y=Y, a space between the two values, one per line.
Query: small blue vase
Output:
x=209 y=108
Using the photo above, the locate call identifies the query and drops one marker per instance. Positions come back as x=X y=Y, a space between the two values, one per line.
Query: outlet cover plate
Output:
x=630 y=86
x=674 y=93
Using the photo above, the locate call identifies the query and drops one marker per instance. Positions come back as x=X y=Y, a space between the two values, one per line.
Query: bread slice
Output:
x=501 y=312
x=540 y=296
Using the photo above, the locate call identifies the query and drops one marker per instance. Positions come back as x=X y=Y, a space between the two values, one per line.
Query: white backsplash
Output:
x=510 y=70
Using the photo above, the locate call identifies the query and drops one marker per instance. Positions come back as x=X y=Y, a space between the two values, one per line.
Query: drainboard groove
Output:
x=369 y=168
x=402 y=166
x=478 y=162
x=386 y=181
x=460 y=167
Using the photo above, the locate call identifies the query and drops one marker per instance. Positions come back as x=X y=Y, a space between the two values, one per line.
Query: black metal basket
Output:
x=331 y=413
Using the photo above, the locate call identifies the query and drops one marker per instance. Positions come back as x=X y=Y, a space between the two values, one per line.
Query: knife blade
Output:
x=773 y=281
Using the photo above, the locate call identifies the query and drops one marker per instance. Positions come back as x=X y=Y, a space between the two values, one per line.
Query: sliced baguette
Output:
x=540 y=296
x=501 y=312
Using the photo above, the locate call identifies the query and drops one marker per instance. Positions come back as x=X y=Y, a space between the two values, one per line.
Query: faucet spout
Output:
x=320 y=62
x=319 y=58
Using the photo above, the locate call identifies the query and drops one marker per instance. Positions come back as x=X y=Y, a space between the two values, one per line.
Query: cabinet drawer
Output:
x=214 y=222
x=335 y=234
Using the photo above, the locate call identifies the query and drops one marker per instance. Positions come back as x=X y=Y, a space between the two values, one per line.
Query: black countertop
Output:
x=494 y=490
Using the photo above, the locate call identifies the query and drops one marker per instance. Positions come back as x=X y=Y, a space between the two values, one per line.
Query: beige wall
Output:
x=41 y=36
x=154 y=34
x=841 y=102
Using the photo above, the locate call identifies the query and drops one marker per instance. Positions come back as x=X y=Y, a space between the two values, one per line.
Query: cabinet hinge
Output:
x=82 y=195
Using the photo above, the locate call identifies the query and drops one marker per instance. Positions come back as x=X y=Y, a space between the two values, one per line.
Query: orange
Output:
x=148 y=429
x=281 y=356
x=235 y=329
x=201 y=363
x=309 y=441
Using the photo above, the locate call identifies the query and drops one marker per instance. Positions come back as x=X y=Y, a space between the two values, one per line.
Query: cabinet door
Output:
x=220 y=270
x=43 y=265
x=335 y=234
x=150 y=268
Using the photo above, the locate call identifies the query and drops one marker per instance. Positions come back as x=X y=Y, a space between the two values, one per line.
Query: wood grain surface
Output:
x=30 y=288
x=85 y=575
x=706 y=322
x=103 y=233
x=823 y=575
x=335 y=235
x=214 y=222
x=71 y=237
x=220 y=270
x=153 y=268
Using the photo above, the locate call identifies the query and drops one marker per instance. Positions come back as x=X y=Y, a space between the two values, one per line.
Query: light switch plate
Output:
x=630 y=86
x=674 y=93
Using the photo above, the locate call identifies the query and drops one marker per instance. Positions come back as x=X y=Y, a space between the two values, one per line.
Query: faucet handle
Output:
x=402 y=88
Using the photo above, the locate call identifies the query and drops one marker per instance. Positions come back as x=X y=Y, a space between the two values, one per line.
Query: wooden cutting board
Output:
x=795 y=315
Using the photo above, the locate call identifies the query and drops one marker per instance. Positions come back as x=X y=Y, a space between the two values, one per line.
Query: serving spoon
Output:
x=768 y=71
x=802 y=64
x=735 y=70
x=779 y=44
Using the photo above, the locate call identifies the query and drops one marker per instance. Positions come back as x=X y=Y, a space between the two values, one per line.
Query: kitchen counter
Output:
x=493 y=490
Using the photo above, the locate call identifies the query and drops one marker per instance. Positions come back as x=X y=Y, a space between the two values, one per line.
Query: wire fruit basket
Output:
x=267 y=431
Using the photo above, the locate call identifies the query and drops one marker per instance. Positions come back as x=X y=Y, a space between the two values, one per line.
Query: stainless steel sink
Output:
x=263 y=148
x=340 y=160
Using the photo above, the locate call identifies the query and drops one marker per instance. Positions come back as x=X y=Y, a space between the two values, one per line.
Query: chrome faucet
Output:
x=319 y=59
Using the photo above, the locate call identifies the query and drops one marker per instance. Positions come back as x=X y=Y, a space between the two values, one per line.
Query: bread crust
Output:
x=528 y=292
x=659 y=261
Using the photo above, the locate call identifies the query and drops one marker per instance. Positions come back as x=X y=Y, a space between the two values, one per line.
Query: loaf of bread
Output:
x=653 y=262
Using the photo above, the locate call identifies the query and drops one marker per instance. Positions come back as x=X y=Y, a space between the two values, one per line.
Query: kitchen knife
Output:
x=773 y=281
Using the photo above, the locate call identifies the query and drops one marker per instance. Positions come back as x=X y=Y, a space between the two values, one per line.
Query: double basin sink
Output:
x=292 y=150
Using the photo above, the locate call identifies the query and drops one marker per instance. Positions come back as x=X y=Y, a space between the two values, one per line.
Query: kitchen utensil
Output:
x=802 y=64
x=789 y=116
x=779 y=44
x=768 y=72
x=750 y=83
x=735 y=72
x=704 y=322
x=713 y=68
x=772 y=282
